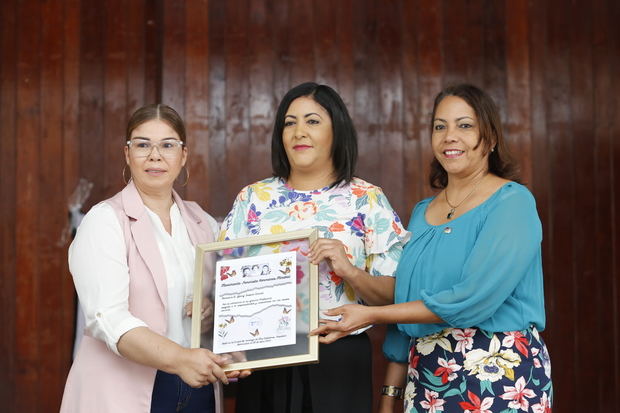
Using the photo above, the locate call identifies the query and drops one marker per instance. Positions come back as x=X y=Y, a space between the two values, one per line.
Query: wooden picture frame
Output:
x=305 y=349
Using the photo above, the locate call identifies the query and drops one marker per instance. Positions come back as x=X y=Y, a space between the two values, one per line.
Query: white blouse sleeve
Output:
x=98 y=264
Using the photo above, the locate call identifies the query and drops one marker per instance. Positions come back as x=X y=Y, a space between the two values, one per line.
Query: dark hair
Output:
x=501 y=162
x=156 y=111
x=344 y=146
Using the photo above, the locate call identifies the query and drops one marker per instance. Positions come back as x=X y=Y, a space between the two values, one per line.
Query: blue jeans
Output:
x=171 y=394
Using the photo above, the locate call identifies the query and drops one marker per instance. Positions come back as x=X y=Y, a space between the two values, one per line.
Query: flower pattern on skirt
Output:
x=475 y=371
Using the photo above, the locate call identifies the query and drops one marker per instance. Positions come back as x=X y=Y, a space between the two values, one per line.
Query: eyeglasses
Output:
x=168 y=148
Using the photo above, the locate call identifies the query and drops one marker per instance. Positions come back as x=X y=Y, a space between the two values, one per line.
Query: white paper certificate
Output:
x=255 y=302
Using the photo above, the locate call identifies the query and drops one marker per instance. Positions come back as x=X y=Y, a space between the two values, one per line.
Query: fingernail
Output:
x=233 y=380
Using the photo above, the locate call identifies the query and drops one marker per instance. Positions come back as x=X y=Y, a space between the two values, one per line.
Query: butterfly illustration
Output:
x=286 y=310
x=285 y=262
x=255 y=333
x=231 y=320
x=286 y=271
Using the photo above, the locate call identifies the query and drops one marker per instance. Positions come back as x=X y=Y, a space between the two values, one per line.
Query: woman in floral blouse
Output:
x=469 y=287
x=314 y=152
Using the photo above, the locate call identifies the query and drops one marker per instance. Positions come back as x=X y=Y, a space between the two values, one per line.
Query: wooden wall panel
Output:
x=51 y=218
x=8 y=144
x=236 y=123
x=261 y=99
x=603 y=26
x=614 y=284
x=412 y=171
x=73 y=71
x=582 y=117
x=559 y=135
x=196 y=98
x=28 y=129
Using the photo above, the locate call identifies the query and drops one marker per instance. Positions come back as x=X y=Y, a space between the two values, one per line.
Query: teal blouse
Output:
x=483 y=269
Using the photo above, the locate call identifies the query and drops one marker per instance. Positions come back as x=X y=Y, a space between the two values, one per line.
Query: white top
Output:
x=98 y=264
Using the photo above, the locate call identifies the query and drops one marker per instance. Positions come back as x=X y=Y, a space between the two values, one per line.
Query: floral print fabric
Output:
x=358 y=214
x=474 y=371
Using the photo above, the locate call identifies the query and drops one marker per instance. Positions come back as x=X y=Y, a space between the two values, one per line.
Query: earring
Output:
x=126 y=180
x=186 y=176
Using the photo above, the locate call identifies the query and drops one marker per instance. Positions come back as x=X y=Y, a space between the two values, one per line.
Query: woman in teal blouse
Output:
x=469 y=298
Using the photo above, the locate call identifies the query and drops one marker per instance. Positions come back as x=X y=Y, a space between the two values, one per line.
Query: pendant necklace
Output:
x=454 y=207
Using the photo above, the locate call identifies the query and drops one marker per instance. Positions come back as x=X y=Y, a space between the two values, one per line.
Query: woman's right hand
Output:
x=351 y=317
x=199 y=367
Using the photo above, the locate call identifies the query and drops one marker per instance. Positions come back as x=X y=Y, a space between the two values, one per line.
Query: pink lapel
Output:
x=144 y=237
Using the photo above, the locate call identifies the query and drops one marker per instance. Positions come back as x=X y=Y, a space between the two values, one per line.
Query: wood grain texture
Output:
x=72 y=72
x=27 y=128
x=8 y=207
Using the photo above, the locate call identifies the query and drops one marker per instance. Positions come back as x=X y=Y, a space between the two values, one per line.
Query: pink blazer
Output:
x=99 y=380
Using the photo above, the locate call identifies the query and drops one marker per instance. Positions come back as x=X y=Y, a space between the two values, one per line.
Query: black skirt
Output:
x=341 y=382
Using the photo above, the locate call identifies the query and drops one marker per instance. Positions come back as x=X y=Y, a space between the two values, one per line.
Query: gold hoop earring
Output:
x=186 y=176
x=125 y=179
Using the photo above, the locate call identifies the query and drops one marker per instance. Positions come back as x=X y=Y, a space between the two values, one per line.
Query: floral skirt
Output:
x=476 y=371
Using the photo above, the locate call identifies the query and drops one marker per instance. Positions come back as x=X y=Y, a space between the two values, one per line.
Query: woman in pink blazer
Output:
x=132 y=264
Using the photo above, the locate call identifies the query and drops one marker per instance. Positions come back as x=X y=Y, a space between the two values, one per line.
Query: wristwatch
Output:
x=392 y=391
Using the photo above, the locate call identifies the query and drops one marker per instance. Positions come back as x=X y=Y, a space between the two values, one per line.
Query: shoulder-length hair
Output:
x=501 y=162
x=156 y=111
x=344 y=146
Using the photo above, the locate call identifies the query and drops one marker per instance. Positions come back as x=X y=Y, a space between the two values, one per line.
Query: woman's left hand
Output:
x=332 y=250
x=352 y=317
x=206 y=313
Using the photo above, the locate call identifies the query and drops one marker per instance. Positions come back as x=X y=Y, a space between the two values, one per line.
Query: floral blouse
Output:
x=358 y=214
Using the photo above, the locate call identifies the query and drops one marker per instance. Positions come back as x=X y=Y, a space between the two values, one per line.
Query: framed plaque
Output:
x=264 y=295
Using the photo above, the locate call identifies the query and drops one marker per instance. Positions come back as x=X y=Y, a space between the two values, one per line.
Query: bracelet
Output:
x=392 y=391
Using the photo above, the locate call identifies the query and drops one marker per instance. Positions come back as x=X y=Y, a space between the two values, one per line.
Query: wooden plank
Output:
x=454 y=48
x=8 y=151
x=135 y=41
x=196 y=101
x=71 y=162
x=390 y=98
x=115 y=60
x=153 y=25
x=604 y=100
x=52 y=217
x=262 y=102
x=91 y=100
x=614 y=52
x=430 y=70
x=474 y=39
x=366 y=105
x=280 y=13
x=301 y=42
x=517 y=108
x=560 y=136
x=219 y=205
x=345 y=61
x=325 y=41
x=587 y=276
x=496 y=41
x=237 y=114
x=173 y=55
x=173 y=59
x=28 y=129
x=413 y=176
